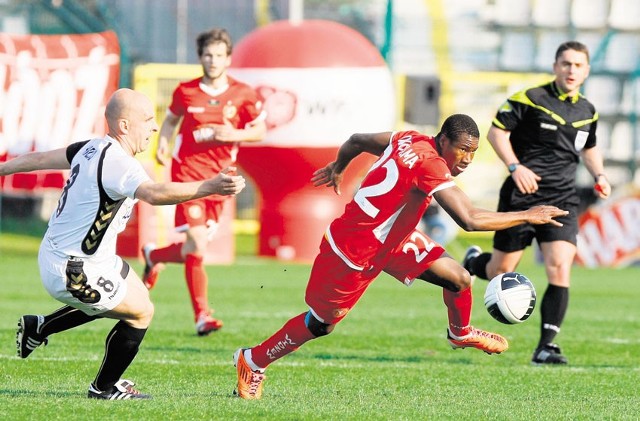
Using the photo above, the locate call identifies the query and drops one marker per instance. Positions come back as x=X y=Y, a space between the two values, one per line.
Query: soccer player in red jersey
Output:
x=216 y=113
x=377 y=233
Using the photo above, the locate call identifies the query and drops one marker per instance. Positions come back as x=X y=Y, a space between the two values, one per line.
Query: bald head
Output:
x=130 y=119
x=124 y=104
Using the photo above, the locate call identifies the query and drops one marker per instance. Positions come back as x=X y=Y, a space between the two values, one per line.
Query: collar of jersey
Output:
x=563 y=96
x=212 y=91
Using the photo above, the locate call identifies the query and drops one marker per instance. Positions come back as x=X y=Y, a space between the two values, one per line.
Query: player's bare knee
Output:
x=200 y=249
x=465 y=281
x=145 y=315
x=460 y=280
x=150 y=311
x=197 y=242
x=316 y=327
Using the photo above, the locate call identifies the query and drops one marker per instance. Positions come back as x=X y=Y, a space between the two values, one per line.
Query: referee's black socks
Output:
x=478 y=265
x=552 y=311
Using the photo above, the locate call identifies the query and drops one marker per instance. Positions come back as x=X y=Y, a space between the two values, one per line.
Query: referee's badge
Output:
x=581 y=139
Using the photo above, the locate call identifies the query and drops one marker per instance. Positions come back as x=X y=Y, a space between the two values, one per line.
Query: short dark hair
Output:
x=458 y=125
x=572 y=45
x=212 y=36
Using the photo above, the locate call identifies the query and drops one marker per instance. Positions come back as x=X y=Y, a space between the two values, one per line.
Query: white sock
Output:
x=249 y=360
x=457 y=337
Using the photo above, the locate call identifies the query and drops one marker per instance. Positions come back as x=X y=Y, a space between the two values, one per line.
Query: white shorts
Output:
x=83 y=284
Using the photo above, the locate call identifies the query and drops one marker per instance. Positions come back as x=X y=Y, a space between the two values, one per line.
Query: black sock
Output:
x=121 y=348
x=64 y=318
x=478 y=265
x=552 y=310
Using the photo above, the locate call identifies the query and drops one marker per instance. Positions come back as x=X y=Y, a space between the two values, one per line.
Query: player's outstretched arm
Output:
x=543 y=214
x=50 y=160
x=331 y=174
x=327 y=176
x=226 y=184
x=470 y=218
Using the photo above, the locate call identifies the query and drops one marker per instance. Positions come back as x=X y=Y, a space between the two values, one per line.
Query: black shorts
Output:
x=521 y=236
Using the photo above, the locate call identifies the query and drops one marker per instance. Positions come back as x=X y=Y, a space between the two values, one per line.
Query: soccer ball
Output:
x=510 y=298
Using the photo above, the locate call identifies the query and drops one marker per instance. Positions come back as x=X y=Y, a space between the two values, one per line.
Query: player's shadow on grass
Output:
x=20 y=393
x=178 y=349
x=428 y=356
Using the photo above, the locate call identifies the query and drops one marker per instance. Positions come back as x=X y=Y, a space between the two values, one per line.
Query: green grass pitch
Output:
x=388 y=360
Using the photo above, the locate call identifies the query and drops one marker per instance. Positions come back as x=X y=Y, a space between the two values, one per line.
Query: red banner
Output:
x=54 y=92
x=610 y=234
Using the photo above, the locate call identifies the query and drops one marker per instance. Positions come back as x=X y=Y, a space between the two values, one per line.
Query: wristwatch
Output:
x=512 y=167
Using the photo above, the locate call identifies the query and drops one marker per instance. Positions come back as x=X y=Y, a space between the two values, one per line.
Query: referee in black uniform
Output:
x=540 y=134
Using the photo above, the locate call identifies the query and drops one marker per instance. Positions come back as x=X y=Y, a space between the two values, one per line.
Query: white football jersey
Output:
x=96 y=202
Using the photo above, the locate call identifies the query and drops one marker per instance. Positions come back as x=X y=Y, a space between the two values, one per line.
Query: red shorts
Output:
x=334 y=288
x=412 y=257
x=205 y=211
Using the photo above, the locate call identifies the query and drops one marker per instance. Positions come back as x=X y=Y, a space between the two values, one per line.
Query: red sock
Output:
x=197 y=283
x=289 y=338
x=168 y=254
x=459 y=308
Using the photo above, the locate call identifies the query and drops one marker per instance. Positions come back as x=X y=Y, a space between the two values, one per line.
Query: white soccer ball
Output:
x=510 y=298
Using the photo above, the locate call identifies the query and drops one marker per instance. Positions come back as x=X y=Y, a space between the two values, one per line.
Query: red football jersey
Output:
x=197 y=154
x=390 y=201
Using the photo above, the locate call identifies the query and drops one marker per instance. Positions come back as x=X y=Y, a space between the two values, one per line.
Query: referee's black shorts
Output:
x=521 y=236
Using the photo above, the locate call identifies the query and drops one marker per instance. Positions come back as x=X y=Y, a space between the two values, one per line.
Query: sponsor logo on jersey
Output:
x=89 y=152
x=204 y=134
x=548 y=126
x=195 y=110
x=127 y=214
x=229 y=111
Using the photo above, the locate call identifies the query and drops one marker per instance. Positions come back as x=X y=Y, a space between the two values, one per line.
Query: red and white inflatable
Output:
x=320 y=81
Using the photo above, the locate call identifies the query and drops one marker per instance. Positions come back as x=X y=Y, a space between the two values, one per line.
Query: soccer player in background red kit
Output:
x=377 y=233
x=217 y=112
